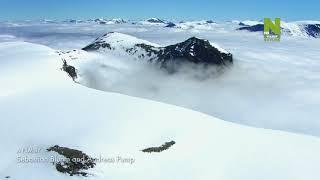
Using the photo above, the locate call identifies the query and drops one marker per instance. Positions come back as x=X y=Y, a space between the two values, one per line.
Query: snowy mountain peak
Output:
x=194 y=42
x=200 y=25
x=110 y=21
x=155 y=20
x=197 y=51
x=192 y=50
x=118 y=20
x=114 y=41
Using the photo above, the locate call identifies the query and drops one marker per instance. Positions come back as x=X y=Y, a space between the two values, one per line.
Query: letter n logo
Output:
x=272 y=31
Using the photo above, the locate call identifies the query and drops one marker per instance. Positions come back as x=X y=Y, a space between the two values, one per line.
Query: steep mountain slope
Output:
x=41 y=107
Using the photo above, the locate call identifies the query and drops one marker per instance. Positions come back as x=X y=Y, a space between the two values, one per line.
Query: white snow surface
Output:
x=219 y=48
x=41 y=106
x=120 y=43
x=157 y=22
x=124 y=41
x=270 y=85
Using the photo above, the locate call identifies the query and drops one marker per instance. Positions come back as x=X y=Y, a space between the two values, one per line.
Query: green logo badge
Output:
x=272 y=31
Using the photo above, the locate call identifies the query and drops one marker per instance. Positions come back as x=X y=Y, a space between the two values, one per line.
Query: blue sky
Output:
x=169 y=9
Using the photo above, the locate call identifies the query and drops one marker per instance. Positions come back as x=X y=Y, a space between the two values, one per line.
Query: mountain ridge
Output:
x=192 y=50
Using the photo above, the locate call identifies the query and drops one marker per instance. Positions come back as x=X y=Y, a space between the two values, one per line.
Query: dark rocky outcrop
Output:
x=193 y=50
x=96 y=46
x=76 y=161
x=102 y=22
x=161 y=148
x=210 y=22
x=73 y=21
x=196 y=51
x=170 y=24
x=313 y=30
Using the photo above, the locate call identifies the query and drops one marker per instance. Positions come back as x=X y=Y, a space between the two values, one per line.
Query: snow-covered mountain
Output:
x=41 y=107
x=197 y=25
x=153 y=21
x=298 y=28
x=110 y=21
x=192 y=50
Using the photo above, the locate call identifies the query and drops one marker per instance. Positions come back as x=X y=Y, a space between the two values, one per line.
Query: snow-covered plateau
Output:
x=255 y=119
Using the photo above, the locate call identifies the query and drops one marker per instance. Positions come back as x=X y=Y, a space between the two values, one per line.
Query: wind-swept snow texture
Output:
x=40 y=106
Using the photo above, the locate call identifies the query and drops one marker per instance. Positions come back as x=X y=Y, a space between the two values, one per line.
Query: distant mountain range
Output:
x=296 y=28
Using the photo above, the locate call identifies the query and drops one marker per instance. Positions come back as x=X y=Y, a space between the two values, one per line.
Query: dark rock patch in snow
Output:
x=159 y=149
x=102 y=22
x=70 y=21
x=170 y=24
x=195 y=50
x=210 y=22
x=97 y=45
x=72 y=55
x=313 y=30
x=76 y=161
